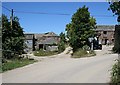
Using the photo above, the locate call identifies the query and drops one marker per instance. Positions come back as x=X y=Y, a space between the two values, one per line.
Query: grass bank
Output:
x=83 y=53
x=45 y=53
x=15 y=63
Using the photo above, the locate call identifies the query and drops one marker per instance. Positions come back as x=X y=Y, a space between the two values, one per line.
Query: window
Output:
x=104 y=32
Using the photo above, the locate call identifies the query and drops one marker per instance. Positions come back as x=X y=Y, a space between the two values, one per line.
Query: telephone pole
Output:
x=11 y=18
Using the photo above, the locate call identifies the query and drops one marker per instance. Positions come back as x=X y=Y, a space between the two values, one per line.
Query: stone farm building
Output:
x=105 y=33
x=30 y=42
x=46 y=41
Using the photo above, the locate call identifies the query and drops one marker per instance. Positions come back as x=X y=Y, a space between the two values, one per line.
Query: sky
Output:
x=54 y=21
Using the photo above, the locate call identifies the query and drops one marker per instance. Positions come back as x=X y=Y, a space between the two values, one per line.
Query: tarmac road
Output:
x=63 y=69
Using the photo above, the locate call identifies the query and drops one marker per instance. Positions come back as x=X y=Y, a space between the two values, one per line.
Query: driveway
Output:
x=63 y=69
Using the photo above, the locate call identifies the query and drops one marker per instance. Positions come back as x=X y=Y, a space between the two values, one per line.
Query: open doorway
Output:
x=106 y=41
x=40 y=46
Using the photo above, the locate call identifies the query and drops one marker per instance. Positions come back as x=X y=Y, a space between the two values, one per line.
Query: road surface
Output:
x=63 y=69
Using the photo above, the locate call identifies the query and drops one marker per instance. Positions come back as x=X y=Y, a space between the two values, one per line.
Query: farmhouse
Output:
x=105 y=33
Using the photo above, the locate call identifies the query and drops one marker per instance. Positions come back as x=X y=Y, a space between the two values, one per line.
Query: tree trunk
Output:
x=117 y=39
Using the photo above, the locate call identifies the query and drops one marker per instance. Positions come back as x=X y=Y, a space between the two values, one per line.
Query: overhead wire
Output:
x=103 y=15
x=58 y=14
x=6 y=8
x=41 y=13
x=45 y=13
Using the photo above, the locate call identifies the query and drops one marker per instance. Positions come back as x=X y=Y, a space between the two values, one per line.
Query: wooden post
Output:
x=12 y=18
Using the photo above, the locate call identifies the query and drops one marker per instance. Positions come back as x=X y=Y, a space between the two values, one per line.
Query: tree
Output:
x=12 y=38
x=80 y=28
x=62 y=37
x=115 y=7
x=61 y=45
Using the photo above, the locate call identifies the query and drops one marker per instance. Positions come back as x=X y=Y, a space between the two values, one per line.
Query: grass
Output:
x=45 y=53
x=83 y=53
x=15 y=63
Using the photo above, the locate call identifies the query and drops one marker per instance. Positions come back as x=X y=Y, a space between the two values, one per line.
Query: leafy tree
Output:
x=115 y=7
x=12 y=38
x=62 y=37
x=61 y=45
x=80 y=28
x=115 y=79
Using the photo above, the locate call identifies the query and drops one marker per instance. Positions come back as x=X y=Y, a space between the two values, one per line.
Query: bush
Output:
x=114 y=49
x=115 y=74
x=61 y=47
x=80 y=53
x=83 y=52
x=86 y=47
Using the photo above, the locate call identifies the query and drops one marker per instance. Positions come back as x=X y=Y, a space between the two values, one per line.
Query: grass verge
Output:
x=15 y=63
x=45 y=53
x=83 y=53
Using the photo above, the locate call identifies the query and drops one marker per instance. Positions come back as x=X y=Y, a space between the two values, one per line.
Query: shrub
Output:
x=83 y=52
x=86 y=47
x=80 y=53
x=61 y=47
x=115 y=74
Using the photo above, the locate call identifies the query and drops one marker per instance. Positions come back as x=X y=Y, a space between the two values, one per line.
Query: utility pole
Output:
x=11 y=19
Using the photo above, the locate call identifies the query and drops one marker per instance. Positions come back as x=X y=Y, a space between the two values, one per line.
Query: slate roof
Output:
x=38 y=36
x=44 y=38
x=50 y=34
x=105 y=28
x=48 y=41
x=29 y=36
